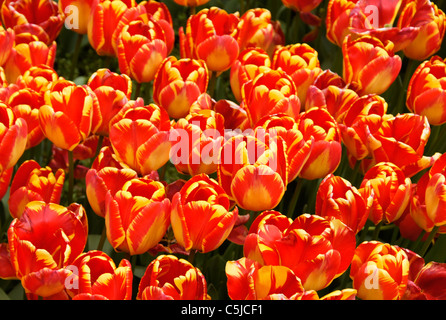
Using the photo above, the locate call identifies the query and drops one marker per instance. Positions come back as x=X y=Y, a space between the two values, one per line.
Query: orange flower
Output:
x=200 y=137
x=137 y=215
x=257 y=30
x=45 y=240
x=371 y=63
x=210 y=36
x=428 y=283
x=297 y=148
x=6 y=268
x=13 y=137
x=301 y=63
x=77 y=14
x=66 y=118
x=200 y=218
x=98 y=278
x=435 y=191
x=34 y=183
x=325 y=156
x=178 y=83
x=430 y=23
x=141 y=47
x=44 y=15
x=336 y=197
x=425 y=94
x=250 y=63
x=102 y=23
x=338 y=20
x=27 y=55
x=112 y=91
x=249 y=280
x=301 y=5
x=139 y=136
x=7 y=37
x=316 y=249
x=268 y=93
x=253 y=170
x=191 y=3
x=170 y=278
x=390 y=190
x=379 y=271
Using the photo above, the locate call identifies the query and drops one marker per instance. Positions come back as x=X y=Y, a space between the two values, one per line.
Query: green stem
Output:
x=428 y=241
x=70 y=176
x=102 y=239
x=417 y=242
x=411 y=66
x=364 y=232
x=212 y=83
x=295 y=197
x=191 y=257
x=76 y=52
x=98 y=149
x=377 y=230
x=137 y=90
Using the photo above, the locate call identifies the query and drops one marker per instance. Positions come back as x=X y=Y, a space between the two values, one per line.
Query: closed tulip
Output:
x=316 y=249
x=139 y=135
x=33 y=183
x=66 y=118
x=170 y=278
x=210 y=36
x=178 y=83
x=371 y=63
x=137 y=216
x=253 y=170
x=7 y=37
x=42 y=242
x=435 y=190
x=301 y=5
x=379 y=271
x=201 y=219
x=425 y=94
x=428 y=284
x=98 y=278
x=77 y=14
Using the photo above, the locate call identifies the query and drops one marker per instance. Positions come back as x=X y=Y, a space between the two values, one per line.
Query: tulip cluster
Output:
x=212 y=157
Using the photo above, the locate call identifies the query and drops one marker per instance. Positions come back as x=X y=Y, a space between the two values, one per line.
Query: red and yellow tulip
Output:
x=379 y=271
x=302 y=5
x=7 y=38
x=201 y=218
x=170 y=278
x=77 y=14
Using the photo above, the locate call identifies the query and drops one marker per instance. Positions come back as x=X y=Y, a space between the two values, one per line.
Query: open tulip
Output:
x=139 y=136
x=34 y=183
x=98 y=278
x=379 y=271
x=253 y=170
x=58 y=236
x=316 y=249
x=178 y=83
x=426 y=95
x=371 y=63
x=210 y=36
x=170 y=278
x=66 y=118
x=200 y=218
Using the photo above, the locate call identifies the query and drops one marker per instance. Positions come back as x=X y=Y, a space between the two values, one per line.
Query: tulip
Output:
x=34 y=183
x=5 y=180
x=200 y=137
x=425 y=94
x=301 y=63
x=66 y=118
x=191 y=3
x=434 y=192
x=301 y=5
x=44 y=15
x=170 y=278
x=141 y=47
x=139 y=136
x=249 y=280
x=58 y=236
x=210 y=36
x=336 y=197
x=371 y=63
x=428 y=283
x=200 y=218
x=77 y=14
x=430 y=23
x=6 y=268
x=13 y=137
x=7 y=37
x=271 y=92
x=257 y=30
x=112 y=91
x=98 y=278
x=178 y=83
x=137 y=215
x=27 y=55
x=253 y=170
x=379 y=271
x=325 y=155
x=316 y=249
x=338 y=20
x=102 y=23
x=250 y=63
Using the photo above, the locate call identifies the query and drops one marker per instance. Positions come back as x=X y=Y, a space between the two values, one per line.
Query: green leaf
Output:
x=3 y=295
